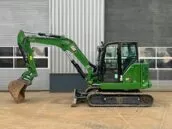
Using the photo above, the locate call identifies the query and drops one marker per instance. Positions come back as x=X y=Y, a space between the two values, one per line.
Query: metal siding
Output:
x=83 y=22
x=32 y=15
x=29 y=15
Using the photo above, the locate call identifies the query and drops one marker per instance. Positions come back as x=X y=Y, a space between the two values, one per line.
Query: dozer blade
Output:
x=17 y=90
x=78 y=97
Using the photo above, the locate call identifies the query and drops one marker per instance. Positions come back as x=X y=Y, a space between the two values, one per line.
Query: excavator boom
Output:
x=17 y=87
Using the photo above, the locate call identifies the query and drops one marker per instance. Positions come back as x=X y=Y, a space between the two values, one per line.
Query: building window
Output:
x=10 y=57
x=40 y=63
x=151 y=62
x=159 y=60
x=6 y=57
x=37 y=51
x=6 y=62
x=148 y=54
x=164 y=52
x=157 y=57
x=6 y=51
x=164 y=57
x=164 y=63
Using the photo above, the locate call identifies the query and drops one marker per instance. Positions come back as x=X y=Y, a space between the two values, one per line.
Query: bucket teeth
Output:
x=17 y=90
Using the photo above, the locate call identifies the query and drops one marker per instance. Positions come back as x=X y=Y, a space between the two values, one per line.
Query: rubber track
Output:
x=122 y=99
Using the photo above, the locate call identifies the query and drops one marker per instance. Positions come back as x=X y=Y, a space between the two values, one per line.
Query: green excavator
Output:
x=116 y=80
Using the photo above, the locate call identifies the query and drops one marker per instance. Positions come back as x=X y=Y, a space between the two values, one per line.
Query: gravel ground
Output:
x=44 y=110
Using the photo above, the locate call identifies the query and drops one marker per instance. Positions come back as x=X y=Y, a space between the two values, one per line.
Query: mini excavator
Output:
x=115 y=81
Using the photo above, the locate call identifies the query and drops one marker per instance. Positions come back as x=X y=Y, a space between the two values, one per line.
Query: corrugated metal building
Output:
x=82 y=21
x=87 y=22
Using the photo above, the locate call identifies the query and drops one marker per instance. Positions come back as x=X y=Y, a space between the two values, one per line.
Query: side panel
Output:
x=136 y=77
x=133 y=74
x=145 y=76
x=119 y=86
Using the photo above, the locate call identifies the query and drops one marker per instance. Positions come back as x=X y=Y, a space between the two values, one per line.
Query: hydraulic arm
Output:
x=67 y=45
x=17 y=87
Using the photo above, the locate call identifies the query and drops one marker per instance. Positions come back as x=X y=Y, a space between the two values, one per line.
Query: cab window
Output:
x=128 y=55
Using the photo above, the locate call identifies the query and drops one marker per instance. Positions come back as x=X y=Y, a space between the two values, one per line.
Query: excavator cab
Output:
x=115 y=58
x=118 y=57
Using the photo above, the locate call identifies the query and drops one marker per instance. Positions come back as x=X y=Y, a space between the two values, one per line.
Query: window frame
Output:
x=20 y=57
x=156 y=58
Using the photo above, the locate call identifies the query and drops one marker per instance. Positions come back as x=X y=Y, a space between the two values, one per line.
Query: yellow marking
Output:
x=31 y=57
x=73 y=48
x=127 y=79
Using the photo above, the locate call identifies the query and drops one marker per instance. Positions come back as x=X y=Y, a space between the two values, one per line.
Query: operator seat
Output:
x=128 y=61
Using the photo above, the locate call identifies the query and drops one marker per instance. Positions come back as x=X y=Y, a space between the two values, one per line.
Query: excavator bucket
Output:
x=17 y=90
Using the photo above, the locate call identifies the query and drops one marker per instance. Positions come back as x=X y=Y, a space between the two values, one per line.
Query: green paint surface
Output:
x=136 y=77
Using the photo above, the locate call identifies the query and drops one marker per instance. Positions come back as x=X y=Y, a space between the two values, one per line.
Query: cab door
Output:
x=129 y=55
x=118 y=57
x=111 y=60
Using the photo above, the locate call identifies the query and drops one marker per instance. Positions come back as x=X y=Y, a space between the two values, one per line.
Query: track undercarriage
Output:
x=97 y=98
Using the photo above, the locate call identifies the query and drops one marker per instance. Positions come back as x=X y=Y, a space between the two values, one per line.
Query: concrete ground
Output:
x=44 y=110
